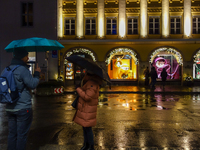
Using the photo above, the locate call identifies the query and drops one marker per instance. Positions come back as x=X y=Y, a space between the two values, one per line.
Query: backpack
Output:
x=8 y=90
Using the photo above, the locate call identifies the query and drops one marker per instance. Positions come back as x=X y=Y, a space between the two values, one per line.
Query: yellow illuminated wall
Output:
x=124 y=69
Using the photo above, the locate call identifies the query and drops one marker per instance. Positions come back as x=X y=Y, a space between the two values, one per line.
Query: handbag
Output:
x=75 y=102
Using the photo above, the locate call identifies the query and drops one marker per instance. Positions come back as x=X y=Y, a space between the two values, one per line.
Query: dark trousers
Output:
x=88 y=135
x=19 y=123
x=153 y=82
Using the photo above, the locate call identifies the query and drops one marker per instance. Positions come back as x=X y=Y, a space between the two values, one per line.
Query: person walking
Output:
x=154 y=76
x=146 y=74
x=164 y=76
x=20 y=113
x=87 y=107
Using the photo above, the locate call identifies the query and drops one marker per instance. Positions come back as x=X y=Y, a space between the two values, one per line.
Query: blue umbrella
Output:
x=34 y=44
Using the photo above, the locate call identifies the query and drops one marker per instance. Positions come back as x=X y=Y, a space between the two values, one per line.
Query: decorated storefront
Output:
x=73 y=72
x=167 y=58
x=196 y=66
x=122 y=64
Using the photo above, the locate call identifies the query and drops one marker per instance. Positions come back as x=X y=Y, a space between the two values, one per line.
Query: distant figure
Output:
x=164 y=76
x=146 y=74
x=154 y=76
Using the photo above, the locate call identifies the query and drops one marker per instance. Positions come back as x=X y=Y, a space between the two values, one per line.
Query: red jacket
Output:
x=87 y=104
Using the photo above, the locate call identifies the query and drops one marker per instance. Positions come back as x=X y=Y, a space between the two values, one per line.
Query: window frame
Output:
x=90 y=24
x=132 y=25
x=27 y=15
x=111 y=24
x=197 y=27
x=70 y=25
x=154 y=24
x=175 y=23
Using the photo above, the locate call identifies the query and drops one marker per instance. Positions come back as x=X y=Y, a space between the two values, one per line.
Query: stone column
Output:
x=187 y=19
x=165 y=18
x=59 y=19
x=143 y=18
x=122 y=18
x=79 y=18
x=101 y=22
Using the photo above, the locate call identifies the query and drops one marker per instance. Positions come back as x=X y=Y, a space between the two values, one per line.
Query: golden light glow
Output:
x=187 y=26
x=187 y=18
x=101 y=28
x=60 y=19
x=122 y=28
x=79 y=15
x=100 y=18
x=143 y=8
x=165 y=18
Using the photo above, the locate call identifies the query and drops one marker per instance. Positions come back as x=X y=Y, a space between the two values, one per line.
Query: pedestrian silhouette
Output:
x=146 y=74
x=164 y=76
x=154 y=76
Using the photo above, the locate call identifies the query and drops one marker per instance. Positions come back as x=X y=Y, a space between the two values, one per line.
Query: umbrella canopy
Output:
x=89 y=65
x=34 y=44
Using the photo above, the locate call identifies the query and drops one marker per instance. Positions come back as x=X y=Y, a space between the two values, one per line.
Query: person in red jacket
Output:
x=87 y=107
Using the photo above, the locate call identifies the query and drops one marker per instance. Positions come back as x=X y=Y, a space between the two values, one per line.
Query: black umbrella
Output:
x=90 y=66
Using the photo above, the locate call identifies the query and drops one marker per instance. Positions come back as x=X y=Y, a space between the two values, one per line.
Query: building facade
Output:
x=25 y=19
x=126 y=36
x=123 y=36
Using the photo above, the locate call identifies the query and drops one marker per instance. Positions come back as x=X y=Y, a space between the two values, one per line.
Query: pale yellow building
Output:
x=126 y=36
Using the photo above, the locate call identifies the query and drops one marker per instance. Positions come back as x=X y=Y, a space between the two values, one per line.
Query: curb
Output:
x=137 y=92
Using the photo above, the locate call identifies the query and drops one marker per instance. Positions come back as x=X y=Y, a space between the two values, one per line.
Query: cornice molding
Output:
x=128 y=10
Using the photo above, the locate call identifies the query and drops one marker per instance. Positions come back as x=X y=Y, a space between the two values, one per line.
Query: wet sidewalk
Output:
x=144 y=89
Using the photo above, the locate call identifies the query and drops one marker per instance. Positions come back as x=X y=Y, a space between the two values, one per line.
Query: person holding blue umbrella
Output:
x=20 y=112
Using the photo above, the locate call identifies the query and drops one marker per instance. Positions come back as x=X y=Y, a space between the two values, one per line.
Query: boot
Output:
x=85 y=146
x=91 y=147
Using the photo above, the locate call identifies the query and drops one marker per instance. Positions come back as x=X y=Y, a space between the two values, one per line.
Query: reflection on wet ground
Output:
x=138 y=101
x=124 y=121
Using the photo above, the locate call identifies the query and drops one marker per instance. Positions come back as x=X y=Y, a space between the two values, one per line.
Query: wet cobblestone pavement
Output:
x=138 y=121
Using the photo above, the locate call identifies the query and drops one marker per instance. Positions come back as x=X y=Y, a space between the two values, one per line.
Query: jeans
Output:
x=19 y=123
x=88 y=135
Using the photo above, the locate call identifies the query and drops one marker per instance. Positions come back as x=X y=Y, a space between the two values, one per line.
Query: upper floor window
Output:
x=132 y=25
x=196 y=25
x=90 y=26
x=175 y=25
x=27 y=14
x=69 y=26
x=154 y=25
x=111 y=26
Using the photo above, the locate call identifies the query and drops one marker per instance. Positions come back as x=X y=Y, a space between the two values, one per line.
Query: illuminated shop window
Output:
x=27 y=14
x=69 y=26
x=154 y=26
x=132 y=26
x=175 y=25
x=122 y=67
x=196 y=25
x=196 y=66
x=111 y=26
x=169 y=62
x=90 y=26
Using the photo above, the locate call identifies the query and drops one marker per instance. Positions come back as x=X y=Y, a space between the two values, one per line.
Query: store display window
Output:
x=196 y=68
x=73 y=71
x=169 y=62
x=69 y=71
x=122 y=67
